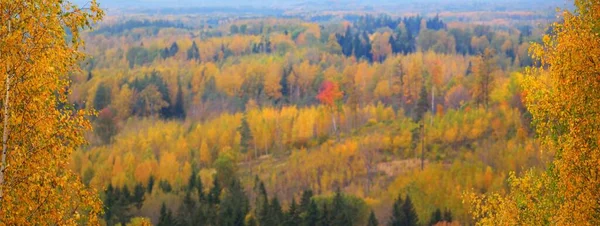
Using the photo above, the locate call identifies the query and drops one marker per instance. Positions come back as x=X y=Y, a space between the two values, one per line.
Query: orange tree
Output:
x=39 y=46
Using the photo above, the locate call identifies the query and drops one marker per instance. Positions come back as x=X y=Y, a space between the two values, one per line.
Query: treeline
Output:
x=128 y=25
x=361 y=39
x=225 y=202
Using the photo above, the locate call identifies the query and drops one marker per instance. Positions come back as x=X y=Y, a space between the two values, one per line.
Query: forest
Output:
x=282 y=117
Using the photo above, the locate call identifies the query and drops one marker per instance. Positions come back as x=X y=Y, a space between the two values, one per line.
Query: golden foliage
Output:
x=39 y=135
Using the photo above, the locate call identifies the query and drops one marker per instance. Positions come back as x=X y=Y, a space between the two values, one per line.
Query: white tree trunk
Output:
x=5 y=129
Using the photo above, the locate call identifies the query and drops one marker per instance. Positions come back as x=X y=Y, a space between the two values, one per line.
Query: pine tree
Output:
x=138 y=195
x=311 y=216
x=246 y=136
x=306 y=200
x=261 y=203
x=234 y=205
x=166 y=216
x=324 y=217
x=436 y=217
x=447 y=216
x=276 y=216
x=339 y=213
x=293 y=215
x=193 y=52
x=422 y=104
x=409 y=212
x=150 y=184
x=372 y=220
x=215 y=192
x=398 y=217
x=177 y=110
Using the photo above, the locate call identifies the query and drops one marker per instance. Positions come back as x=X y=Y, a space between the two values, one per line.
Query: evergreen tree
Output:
x=447 y=216
x=398 y=217
x=305 y=200
x=422 y=104
x=409 y=212
x=138 y=195
x=293 y=214
x=324 y=217
x=109 y=202
x=215 y=192
x=103 y=97
x=261 y=207
x=250 y=221
x=173 y=49
x=187 y=211
x=200 y=190
x=234 y=206
x=276 y=216
x=177 y=110
x=311 y=217
x=339 y=213
x=246 y=135
x=166 y=217
x=150 y=184
x=372 y=220
x=193 y=52
x=283 y=82
x=436 y=217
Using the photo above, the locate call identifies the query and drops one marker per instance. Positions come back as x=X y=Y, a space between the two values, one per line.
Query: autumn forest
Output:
x=292 y=113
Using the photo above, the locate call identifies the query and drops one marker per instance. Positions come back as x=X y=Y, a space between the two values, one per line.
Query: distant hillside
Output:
x=345 y=5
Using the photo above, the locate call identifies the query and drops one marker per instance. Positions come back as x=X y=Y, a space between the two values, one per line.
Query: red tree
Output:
x=329 y=93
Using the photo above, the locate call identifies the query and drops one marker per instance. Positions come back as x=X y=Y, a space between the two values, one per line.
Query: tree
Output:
x=102 y=98
x=234 y=29
x=325 y=217
x=193 y=53
x=293 y=215
x=177 y=110
x=562 y=96
x=397 y=216
x=234 y=205
x=409 y=212
x=483 y=67
x=436 y=217
x=339 y=215
x=138 y=195
x=330 y=95
x=422 y=104
x=40 y=128
x=372 y=220
x=311 y=215
x=151 y=101
x=166 y=216
x=275 y=216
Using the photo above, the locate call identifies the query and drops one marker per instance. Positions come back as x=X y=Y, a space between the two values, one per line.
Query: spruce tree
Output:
x=339 y=213
x=215 y=192
x=324 y=217
x=447 y=216
x=293 y=215
x=246 y=135
x=311 y=217
x=275 y=213
x=372 y=220
x=398 y=217
x=166 y=216
x=436 y=217
x=305 y=200
x=409 y=212
x=138 y=195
